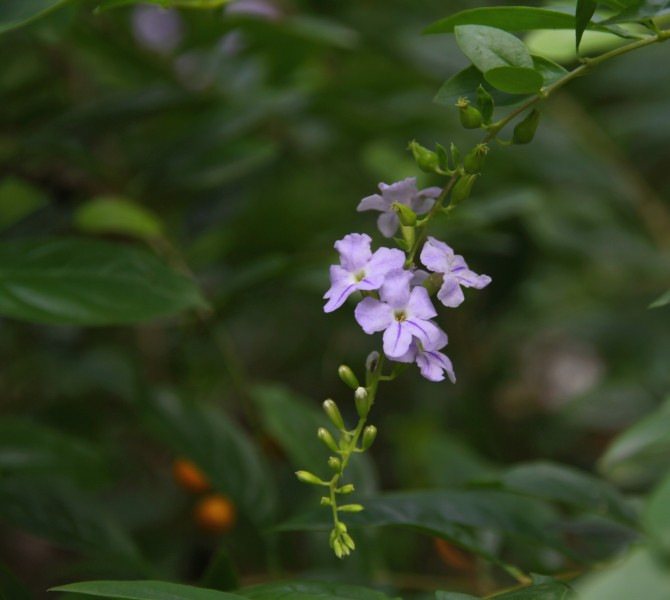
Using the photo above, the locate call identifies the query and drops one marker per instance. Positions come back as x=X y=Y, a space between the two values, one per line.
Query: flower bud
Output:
x=307 y=477
x=324 y=435
x=338 y=548
x=326 y=501
x=340 y=527
x=351 y=508
x=369 y=435
x=333 y=414
x=485 y=104
x=346 y=538
x=474 y=161
x=471 y=118
x=405 y=214
x=524 y=132
x=347 y=376
x=427 y=160
x=335 y=464
x=371 y=361
x=363 y=404
x=346 y=489
x=462 y=189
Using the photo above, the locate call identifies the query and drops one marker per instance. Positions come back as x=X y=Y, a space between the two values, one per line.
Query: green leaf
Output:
x=514 y=80
x=111 y=214
x=144 y=590
x=18 y=199
x=220 y=573
x=219 y=447
x=15 y=13
x=489 y=48
x=583 y=14
x=84 y=282
x=569 y=486
x=544 y=591
x=551 y=72
x=30 y=448
x=662 y=300
x=508 y=18
x=10 y=587
x=656 y=514
x=454 y=596
x=640 y=10
x=310 y=590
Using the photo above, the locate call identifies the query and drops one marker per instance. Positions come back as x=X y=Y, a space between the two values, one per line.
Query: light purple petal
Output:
x=374 y=202
x=419 y=304
x=338 y=294
x=395 y=290
x=425 y=331
x=433 y=365
x=338 y=278
x=425 y=200
x=388 y=223
x=409 y=356
x=401 y=191
x=470 y=279
x=419 y=276
x=354 y=251
x=439 y=341
x=383 y=261
x=450 y=294
x=397 y=339
x=373 y=315
x=436 y=256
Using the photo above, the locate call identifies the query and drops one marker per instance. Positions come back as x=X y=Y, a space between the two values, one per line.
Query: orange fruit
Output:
x=215 y=513
x=189 y=476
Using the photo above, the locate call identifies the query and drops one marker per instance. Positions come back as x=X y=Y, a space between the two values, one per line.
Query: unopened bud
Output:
x=307 y=477
x=369 y=435
x=340 y=527
x=363 y=404
x=325 y=436
x=326 y=501
x=462 y=189
x=347 y=376
x=471 y=118
x=338 y=548
x=371 y=361
x=486 y=105
x=346 y=538
x=426 y=160
x=351 y=508
x=335 y=464
x=405 y=214
x=346 y=489
x=474 y=161
x=333 y=414
x=524 y=132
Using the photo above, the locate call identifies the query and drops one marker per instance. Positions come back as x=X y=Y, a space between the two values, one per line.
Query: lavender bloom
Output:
x=440 y=258
x=433 y=364
x=403 y=192
x=359 y=269
x=402 y=314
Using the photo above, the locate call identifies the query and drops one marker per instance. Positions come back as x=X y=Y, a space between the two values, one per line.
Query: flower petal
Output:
x=395 y=290
x=400 y=191
x=388 y=223
x=383 y=261
x=338 y=277
x=373 y=315
x=450 y=294
x=397 y=339
x=426 y=332
x=374 y=202
x=409 y=356
x=338 y=294
x=436 y=255
x=425 y=200
x=433 y=365
x=419 y=304
x=354 y=251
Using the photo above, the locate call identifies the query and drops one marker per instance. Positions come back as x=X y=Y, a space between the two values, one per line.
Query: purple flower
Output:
x=403 y=192
x=359 y=269
x=433 y=364
x=402 y=314
x=440 y=258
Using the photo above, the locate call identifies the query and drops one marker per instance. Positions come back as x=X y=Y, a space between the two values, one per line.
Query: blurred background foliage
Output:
x=235 y=144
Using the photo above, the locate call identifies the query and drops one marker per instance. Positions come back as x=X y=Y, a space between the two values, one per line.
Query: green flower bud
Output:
x=346 y=489
x=351 y=508
x=335 y=464
x=347 y=376
x=471 y=118
x=326 y=501
x=340 y=527
x=333 y=536
x=406 y=215
x=324 y=435
x=333 y=414
x=485 y=104
x=474 y=161
x=369 y=435
x=307 y=477
x=338 y=548
x=363 y=404
x=346 y=538
x=462 y=189
x=427 y=160
x=524 y=132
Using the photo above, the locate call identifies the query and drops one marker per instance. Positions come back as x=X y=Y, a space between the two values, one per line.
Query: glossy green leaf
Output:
x=662 y=300
x=15 y=13
x=203 y=433
x=31 y=448
x=514 y=80
x=18 y=199
x=144 y=590
x=10 y=587
x=508 y=18
x=84 y=282
x=584 y=11
x=656 y=514
x=554 y=590
x=569 y=486
x=489 y=48
x=640 y=10
x=310 y=590
x=551 y=72
x=116 y=215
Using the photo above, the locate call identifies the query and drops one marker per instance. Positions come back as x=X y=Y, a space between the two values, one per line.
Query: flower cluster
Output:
x=395 y=301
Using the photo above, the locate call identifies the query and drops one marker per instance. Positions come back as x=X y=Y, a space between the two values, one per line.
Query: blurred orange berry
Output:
x=189 y=476
x=215 y=513
x=452 y=556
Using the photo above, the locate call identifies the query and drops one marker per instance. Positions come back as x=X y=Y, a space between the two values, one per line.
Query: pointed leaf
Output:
x=514 y=80
x=489 y=48
x=144 y=590
x=584 y=12
x=555 y=590
x=662 y=300
x=15 y=13
x=454 y=596
x=640 y=10
x=110 y=214
x=310 y=590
